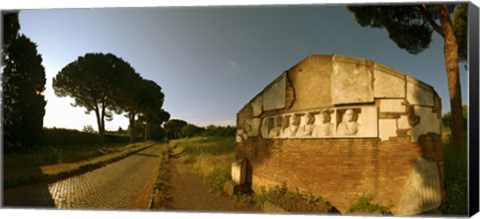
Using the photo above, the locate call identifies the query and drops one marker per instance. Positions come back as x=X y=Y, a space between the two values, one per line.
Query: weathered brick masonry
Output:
x=386 y=161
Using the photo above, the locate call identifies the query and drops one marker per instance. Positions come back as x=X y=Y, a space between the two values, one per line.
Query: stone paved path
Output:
x=125 y=184
x=186 y=191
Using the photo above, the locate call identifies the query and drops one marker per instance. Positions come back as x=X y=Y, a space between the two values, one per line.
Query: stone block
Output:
x=257 y=105
x=388 y=83
x=239 y=170
x=274 y=95
x=310 y=81
x=239 y=136
x=416 y=95
x=392 y=106
x=429 y=122
x=265 y=127
x=231 y=188
x=252 y=127
x=351 y=83
x=422 y=192
x=387 y=128
x=402 y=122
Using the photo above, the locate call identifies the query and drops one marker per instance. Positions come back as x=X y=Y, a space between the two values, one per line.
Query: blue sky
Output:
x=210 y=61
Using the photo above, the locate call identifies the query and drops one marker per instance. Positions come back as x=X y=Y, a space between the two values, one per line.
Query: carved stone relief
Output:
x=323 y=123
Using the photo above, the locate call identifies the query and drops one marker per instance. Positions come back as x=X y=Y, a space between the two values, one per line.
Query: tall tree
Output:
x=129 y=99
x=23 y=83
x=174 y=127
x=93 y=81
x=151 y=107
x=411 y=28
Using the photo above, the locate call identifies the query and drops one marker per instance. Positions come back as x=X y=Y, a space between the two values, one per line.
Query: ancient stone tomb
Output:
x=342 y=127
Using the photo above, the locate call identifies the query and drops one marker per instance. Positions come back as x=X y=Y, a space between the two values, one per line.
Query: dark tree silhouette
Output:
x=94 y=82
x=140 y=98
x=173 y=128
x=23 y=83
x=152 y=99
x=411 y=28
x=129 y=99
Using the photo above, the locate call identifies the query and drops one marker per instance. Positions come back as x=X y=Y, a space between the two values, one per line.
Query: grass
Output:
x=159 y=198
x=53 y=163
x=364 y=205
x=293 y=202
x=211 y=157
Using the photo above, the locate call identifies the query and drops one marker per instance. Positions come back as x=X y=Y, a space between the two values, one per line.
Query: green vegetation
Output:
x=293 y=201
x=159 y=189
x=364 y=205
x=57 y=162
x=447 y=118
x=456 y=177
x=176 y=129
x=65 y=137
x=210 y=156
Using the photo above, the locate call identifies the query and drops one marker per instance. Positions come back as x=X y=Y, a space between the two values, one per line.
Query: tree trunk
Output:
x=131 y=117
x=147 y=128
x=451 y=62
x=101 y=130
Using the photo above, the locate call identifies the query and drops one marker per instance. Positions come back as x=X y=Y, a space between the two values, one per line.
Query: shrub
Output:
x=364 y=205
x=56 y=136
x=293 y=201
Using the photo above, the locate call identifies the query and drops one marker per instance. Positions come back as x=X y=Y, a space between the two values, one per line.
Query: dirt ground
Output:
x=185 y=191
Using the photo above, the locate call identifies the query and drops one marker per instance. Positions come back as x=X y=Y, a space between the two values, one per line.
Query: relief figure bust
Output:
x=349 y=125
x=324 y=128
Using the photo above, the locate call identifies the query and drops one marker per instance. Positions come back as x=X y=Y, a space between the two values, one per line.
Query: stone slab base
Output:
x=231 y=188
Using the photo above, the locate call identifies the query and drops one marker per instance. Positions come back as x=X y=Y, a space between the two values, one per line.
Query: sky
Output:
x=210 y=61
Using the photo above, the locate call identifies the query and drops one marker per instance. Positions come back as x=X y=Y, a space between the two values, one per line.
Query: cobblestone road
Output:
x=125 y=184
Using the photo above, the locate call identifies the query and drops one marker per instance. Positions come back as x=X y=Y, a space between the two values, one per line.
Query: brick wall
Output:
x=339 y=170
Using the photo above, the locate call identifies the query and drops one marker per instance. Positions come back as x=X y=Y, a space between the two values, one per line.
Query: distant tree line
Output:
x=66 y=137
x=176 y=128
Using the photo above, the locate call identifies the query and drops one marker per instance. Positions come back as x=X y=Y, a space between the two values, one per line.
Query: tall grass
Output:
x=209 y=156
